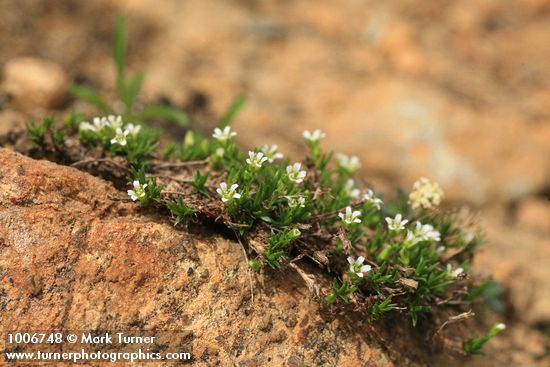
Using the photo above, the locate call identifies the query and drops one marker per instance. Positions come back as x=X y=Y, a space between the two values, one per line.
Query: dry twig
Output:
x=100 y=160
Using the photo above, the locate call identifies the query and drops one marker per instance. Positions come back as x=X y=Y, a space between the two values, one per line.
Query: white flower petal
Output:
x=365 y=268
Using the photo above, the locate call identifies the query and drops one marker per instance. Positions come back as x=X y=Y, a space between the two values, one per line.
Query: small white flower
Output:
x=357 y=267
x=86 y=126
x=220 y=152
x=454 y=273
x=350 y=216
x=295 y=174
x=370 y=198
x=348 y=163
x=120 y=137
x=100 y=123
x=440 y=250
x=114 y=121
x=271 y=152
x=133 y=129
x=500 y=326
x=294 y=202
x=313 y=136
x=397 y=223
x=422 y=232
x=351 y=190
x=223 y=135
x=226 y=193
x=427 y=232
x=425 y=194
x=256 y=159
x=411 y=238
x=138 y=192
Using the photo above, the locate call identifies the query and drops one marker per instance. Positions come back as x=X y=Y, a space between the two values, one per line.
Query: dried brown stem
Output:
x=307 y=278
x=247 y=268
x=181 y=164
x=99 y=160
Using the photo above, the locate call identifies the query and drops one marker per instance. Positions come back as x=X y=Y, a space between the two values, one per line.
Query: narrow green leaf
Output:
x=233 y=110
x=166 y=113
x=131 y=90
x=90 y=96
x=119 y=50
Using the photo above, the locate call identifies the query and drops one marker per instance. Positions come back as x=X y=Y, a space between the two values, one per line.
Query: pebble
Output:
x=32 y=82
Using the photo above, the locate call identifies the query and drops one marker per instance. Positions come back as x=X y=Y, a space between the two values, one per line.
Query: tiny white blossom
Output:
x=454 y=273
x=313 y=136
x=133 y=129
x=228 y=193
x=468 y=237
x=348 y=163
x=422 y=232
x=425 y=194
x=294 y=202
x=114 y=121
x=294 y=173
x=500 y=326
x=411 y=238
x=223 y=135
x=86 y=126
x=138 y=192
x=120 y=137
x=397 y=223
x=220 y=152
x=350 y=216
x=369 y=197
x=271 y=152
x=98 y=123
x=256 y=159
x=427 y=232
x=357 y=267
x=351 y=190
x=440 y=250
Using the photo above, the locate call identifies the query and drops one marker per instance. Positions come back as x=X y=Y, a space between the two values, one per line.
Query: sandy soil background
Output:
x=458 y=91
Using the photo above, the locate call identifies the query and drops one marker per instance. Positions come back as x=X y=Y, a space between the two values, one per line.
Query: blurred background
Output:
x=457 y=91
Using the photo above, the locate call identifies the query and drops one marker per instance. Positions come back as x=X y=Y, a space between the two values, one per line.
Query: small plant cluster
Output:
x=45 y=132
x=405 y=256
x=121 y=138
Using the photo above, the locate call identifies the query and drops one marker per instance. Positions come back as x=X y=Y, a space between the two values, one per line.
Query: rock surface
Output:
x=73 y=259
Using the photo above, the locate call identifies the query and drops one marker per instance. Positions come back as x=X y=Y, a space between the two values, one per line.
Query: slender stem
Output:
x=179 y=180
x=247 y=267
x=175 y=179
x=172 y=192
x=181 y=164
x=99 y=160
